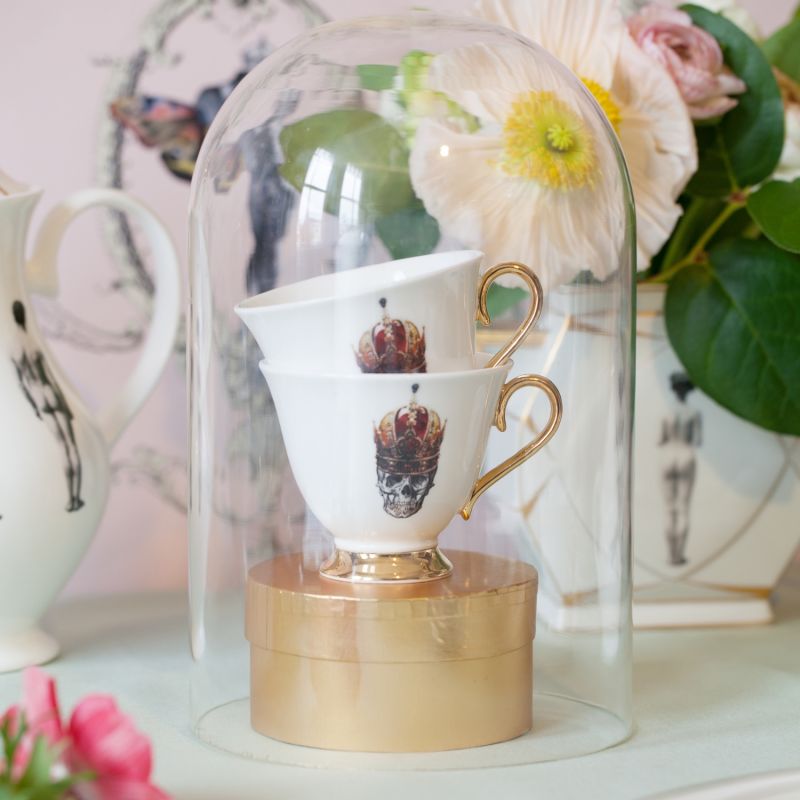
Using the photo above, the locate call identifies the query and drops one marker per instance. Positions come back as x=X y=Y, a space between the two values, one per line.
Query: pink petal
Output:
x=730 y=84
x=663 y=55
x=704 y=50
x=697 y=85
x=713 y=107
x=653 y=14
x=40 y=703
x=106 y=741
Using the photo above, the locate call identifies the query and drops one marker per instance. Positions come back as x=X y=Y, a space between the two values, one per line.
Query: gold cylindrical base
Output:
x=391 y=707
x=392 y=668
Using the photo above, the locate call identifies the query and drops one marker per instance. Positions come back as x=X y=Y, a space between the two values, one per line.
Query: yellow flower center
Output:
x=560 y=138
x=545 y=140
x=605 y=101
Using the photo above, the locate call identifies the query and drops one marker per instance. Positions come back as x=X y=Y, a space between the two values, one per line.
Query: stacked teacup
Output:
x=385 y=406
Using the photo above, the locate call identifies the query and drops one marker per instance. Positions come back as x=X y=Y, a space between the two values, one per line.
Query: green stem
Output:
x=699 y=213
x=694 y=256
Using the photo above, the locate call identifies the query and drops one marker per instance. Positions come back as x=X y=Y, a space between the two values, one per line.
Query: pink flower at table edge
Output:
x=105 y=741
x=99 y=738
x=691 y=56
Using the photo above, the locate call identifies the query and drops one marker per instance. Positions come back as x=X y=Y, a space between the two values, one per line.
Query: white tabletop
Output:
x=710 y=704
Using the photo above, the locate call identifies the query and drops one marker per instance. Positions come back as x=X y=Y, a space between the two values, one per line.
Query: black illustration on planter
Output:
x=42 y=391
x=407 y=442
x=392 y=345
x=681 y=435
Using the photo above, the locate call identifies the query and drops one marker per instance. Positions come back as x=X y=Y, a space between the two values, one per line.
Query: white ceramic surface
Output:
x=317 y=324
x=329 y=429
x=54 y=468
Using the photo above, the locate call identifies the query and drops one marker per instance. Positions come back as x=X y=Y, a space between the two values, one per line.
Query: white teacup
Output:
x=412 y=315
x=386 y=461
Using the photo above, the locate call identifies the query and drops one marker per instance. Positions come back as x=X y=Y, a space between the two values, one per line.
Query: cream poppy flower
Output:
x=538 y=182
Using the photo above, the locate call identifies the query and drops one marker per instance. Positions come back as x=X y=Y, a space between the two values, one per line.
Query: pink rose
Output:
x=105 y=741
x=99 y=739
x=691 y=56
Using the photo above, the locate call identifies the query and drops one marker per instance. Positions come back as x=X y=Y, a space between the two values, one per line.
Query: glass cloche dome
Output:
x=410 y=385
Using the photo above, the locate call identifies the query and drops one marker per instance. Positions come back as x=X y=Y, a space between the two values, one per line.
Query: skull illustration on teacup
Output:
x=407 y=443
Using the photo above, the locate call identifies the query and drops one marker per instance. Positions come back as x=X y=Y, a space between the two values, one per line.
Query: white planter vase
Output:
x=716 y=515
x=716 y=500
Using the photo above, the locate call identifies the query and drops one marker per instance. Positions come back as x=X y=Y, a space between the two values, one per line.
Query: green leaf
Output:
x=10 y=738
x=744 y=146
x=52 y=792
x=10 y=742
x=734 y=324
x=500 y=299
x=13 y=793
x=775 y=207
x=37 y=772
x=353 y=158
x=376 y=77
x=782 y=49
x=408 y=232
x=740 y=224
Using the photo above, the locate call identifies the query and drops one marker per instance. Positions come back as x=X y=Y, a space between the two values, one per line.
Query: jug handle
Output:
x=42 y=277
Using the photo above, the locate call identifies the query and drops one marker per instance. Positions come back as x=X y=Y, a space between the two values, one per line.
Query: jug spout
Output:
x=17 y=202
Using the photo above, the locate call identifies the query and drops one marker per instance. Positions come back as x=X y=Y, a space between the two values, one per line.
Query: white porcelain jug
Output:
x=54 y=461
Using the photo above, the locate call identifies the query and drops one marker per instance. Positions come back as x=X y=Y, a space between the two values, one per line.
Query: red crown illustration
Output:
x=392 y=345
x=408 y=440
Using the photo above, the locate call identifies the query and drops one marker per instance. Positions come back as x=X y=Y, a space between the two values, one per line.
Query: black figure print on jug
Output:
x=42 y=391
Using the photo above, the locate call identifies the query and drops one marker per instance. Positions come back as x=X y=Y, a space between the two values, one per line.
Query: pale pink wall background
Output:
x=55 y=69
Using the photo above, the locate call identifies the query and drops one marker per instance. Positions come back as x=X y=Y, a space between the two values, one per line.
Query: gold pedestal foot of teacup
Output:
x=419 y=565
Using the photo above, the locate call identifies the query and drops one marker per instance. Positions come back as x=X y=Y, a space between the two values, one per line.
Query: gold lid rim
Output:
x=513 y=582
x=490 y=609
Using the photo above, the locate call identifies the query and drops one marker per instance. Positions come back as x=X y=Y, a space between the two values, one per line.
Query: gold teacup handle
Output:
x=482 y=315
x=510 y=464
